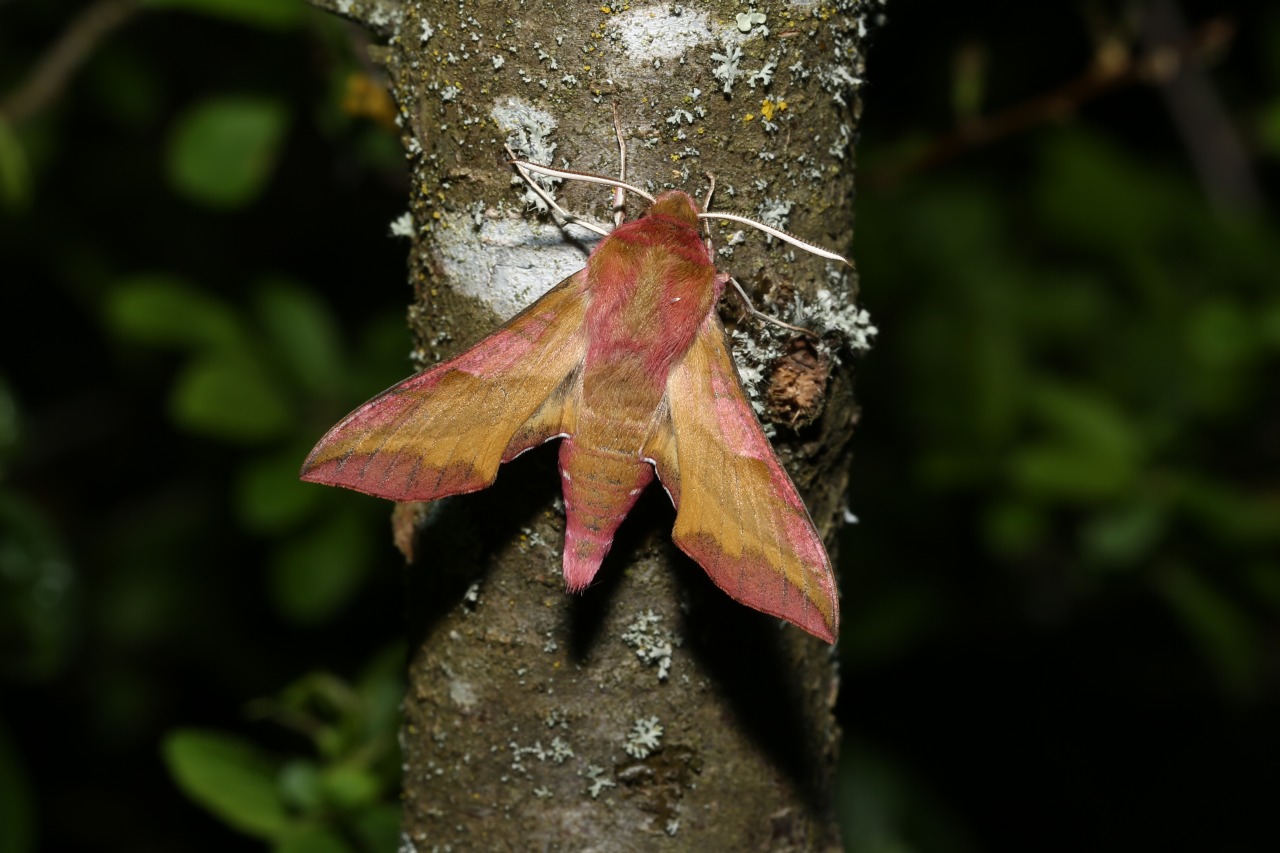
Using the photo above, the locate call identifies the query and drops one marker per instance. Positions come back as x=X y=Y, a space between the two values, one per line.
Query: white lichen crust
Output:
x=644 y=739
x=651 y=641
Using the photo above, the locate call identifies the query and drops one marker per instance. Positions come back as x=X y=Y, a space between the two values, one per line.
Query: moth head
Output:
x=676 y=204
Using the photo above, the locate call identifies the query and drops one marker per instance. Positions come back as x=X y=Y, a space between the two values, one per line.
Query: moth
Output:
x=625 y=362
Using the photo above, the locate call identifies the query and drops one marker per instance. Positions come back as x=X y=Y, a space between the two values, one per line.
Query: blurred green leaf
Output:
x=230 y=396
x=37 y=591
x=1227 y=639
x=1064 y=472
x=228 y=776
x=222 y=151
x=1084 y=417
x=1014 y=528
x=1094 y=195
x=10 y=424
x=303 y=332
x=1222 y=335
x=269 y=496
x=269 y=14
x=1125 y=535
x=1269 y=325
x=300 y=786
x=1066 y=305
x=381 y=687
x=313 y=575
x=1269 y=129
x=314 y=839
x=1231 y=514
x=968 y=80
x=160 y=309
x=15 y=175
x=17 y=806
x=350 y=787
x=1225 y=340
x=325 y=709
x=1091 y=452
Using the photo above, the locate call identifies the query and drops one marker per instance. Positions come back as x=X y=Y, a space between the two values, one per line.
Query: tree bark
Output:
x=652 y=712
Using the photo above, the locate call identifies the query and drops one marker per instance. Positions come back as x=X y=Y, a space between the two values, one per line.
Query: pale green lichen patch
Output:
x=651 y=641
x=839 y=313
x=747 y=20
x=528 y=135
x=402 y=226
x=463 y=694
x=557 y=752
x=506 y=263
x=644 y=739
x=598 y=781
x=659 y=31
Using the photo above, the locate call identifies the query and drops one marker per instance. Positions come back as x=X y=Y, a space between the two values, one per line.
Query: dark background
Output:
x=1060 y=601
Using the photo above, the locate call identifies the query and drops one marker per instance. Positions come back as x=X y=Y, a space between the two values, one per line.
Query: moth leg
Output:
x=619 y=194
x=542 y=194
x=706 y=205
x=711 y=188
x=760 y=315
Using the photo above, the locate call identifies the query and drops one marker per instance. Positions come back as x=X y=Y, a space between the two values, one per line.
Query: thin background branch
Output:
x=74 y=46
x=1114 y=67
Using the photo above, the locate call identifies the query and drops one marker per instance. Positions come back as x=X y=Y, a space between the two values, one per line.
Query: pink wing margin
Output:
x=446 y=430
x=737 y=512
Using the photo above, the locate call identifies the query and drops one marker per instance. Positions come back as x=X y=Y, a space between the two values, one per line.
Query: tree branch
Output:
x=1211 y=141
x=1113 y=68
x=653 y=709
x=47 y=79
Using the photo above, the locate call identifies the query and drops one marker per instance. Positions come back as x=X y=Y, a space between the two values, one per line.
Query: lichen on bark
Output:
x=651 y=712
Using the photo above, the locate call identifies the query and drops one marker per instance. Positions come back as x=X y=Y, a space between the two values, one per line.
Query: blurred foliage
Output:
x=1067 y=477
x=15 y=188
x=223 y=149
x=1070 y=380
x=1060 y=608
x=160 y=562
x=341 y=797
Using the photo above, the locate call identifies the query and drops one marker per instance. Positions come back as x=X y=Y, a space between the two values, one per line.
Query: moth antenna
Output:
x=786 y=236
x=768 y=318
x=568 y=175
x=619 y=194
x=542 y=194
x=706 y=205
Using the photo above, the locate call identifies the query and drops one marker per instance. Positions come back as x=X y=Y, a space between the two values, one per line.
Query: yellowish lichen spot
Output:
x=769 y=108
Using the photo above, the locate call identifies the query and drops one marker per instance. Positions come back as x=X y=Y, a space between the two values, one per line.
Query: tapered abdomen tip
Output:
x=583 y=554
